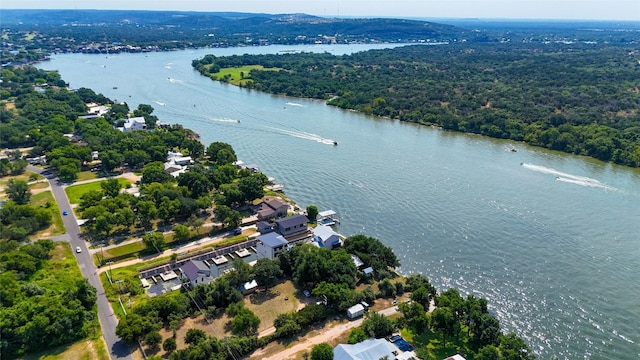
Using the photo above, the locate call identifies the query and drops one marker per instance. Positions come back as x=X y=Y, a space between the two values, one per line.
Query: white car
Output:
x=78 y=249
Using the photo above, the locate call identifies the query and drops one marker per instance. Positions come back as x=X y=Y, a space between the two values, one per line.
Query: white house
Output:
x=134 y=123
x=270 y=245
x=326 y=237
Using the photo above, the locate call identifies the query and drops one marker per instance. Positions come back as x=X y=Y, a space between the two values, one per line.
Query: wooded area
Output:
x=577 y=98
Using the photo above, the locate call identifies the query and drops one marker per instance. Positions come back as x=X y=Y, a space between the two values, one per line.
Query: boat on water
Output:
x=335 y=142
x=327 y=218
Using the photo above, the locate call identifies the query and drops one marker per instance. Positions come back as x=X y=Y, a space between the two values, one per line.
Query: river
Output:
x=551 y=240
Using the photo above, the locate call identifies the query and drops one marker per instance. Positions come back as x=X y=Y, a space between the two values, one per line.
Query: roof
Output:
x=292 y=220
x=355 y=308
x=249 y=285
x=368 y=270
x=275 y=203
x=356 y=260
x=324 y=232
x=326 y=213
x=371 y=349
x=455 y=357
x=272 y=240
x=193 y=269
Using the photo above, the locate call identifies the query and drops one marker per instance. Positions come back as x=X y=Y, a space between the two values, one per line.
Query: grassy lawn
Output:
x=86 y=175
x=132 y=249
x=269 y=304
x=233 y=73
x=24 y=176
x=75 y=192
x=57 y=226
x=429 y=344
x=82 y=350
x=38 y=185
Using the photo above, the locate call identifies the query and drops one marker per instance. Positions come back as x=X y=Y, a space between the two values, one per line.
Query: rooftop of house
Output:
x=371 y=349
x=272 y=239
x=193 y=269
x=323 y=232
x=292 y=220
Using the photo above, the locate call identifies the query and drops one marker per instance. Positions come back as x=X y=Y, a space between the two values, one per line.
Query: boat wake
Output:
x=303 y=135
x=294 y=104
x=224 y=120
x=159 y=103
x=174 y=81
x=568 y=178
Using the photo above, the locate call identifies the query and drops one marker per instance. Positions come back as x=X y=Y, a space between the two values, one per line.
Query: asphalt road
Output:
x=118 y=348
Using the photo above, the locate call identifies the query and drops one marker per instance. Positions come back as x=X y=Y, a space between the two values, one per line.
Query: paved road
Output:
x=118 y=349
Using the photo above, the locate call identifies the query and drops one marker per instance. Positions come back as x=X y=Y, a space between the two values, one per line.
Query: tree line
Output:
x=577 y=98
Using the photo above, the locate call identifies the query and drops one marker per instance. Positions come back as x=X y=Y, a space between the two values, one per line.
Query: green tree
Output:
x=228 y=217
x=169 y=345
x=181 y=233
x=221 y=153
x=154 y=241
x=312 y=212
x=18 y=191
x=110 y=159
x=153 y=339
x=488 y=352
x=267 y=271
x=377 y=325
x=322 y=351
x=194 y=336
x=111 y=187
x=443 y=320
x=245 y=323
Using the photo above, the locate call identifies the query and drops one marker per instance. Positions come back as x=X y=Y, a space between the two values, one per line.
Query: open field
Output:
x=269 y=304
x=82 y=350
x=233 y=75
x=86 y=175
x=75 y=192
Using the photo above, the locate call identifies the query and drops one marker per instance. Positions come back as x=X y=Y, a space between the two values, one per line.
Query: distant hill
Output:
x=149 y=26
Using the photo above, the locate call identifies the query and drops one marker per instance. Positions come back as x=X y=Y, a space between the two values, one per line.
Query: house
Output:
x=326 y=237
x=95 y=155
x=270 y=245
x=134 y=123
x=272 y=208
x=265 y=227
x=371 y=349
x=292 y=225
x=98 y=110
x=182 y=160
x=196 y=272
x=355 y=311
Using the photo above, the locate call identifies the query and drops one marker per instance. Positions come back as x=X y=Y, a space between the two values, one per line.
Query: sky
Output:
x=505 y=9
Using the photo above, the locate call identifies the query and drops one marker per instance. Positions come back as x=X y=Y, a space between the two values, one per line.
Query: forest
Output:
x=579 y=98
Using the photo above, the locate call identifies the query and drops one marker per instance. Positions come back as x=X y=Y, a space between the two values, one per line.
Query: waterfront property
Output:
x=270 y=245
x=292 y=225
x=272 y=208
x=368 y=349
x=325 y=237
x=328 y=218
x=196 y=272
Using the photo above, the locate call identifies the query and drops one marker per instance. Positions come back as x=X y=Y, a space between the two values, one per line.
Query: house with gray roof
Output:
x=272 y=208
x=291 y=225
x=371 y=349
x=196 y=272
x=326 y=237
x=270 y=245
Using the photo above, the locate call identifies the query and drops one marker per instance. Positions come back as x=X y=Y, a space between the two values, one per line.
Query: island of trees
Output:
x=573 y=97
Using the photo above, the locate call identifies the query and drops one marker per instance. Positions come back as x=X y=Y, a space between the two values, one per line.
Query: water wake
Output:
x=294 y=104
x=303 y=135
x=224 y=120
x=159 y=103
x=568 y=178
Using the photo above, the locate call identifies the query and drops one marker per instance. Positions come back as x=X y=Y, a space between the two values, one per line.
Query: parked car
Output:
x=65 y=212
x=78 y=249
x=306 y=293
x=237 y=231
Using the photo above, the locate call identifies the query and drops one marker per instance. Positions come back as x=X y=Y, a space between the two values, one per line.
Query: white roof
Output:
x=324 y=232
x=372 y=349
x=326 y=213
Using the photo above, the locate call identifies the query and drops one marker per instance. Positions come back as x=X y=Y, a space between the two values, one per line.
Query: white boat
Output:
x=327 y=218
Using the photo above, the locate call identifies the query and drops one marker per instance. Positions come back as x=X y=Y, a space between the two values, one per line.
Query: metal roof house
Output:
x=371 y=349
x=326 y=237
x=270 y=245
x=292 y=225
x=197 y=272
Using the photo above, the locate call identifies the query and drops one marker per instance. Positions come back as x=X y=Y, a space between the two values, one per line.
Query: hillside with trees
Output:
x=577 y=98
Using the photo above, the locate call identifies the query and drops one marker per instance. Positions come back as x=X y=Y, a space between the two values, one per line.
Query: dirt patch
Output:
x=271 y=303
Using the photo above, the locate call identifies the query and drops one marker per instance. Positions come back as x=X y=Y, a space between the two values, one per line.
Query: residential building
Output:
x=291 y=225
x=265 y=227
x=197 y=272
x=270 y=245
x=272 y=208
x=326 y=237
x=134 y=123
x=371 y=349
